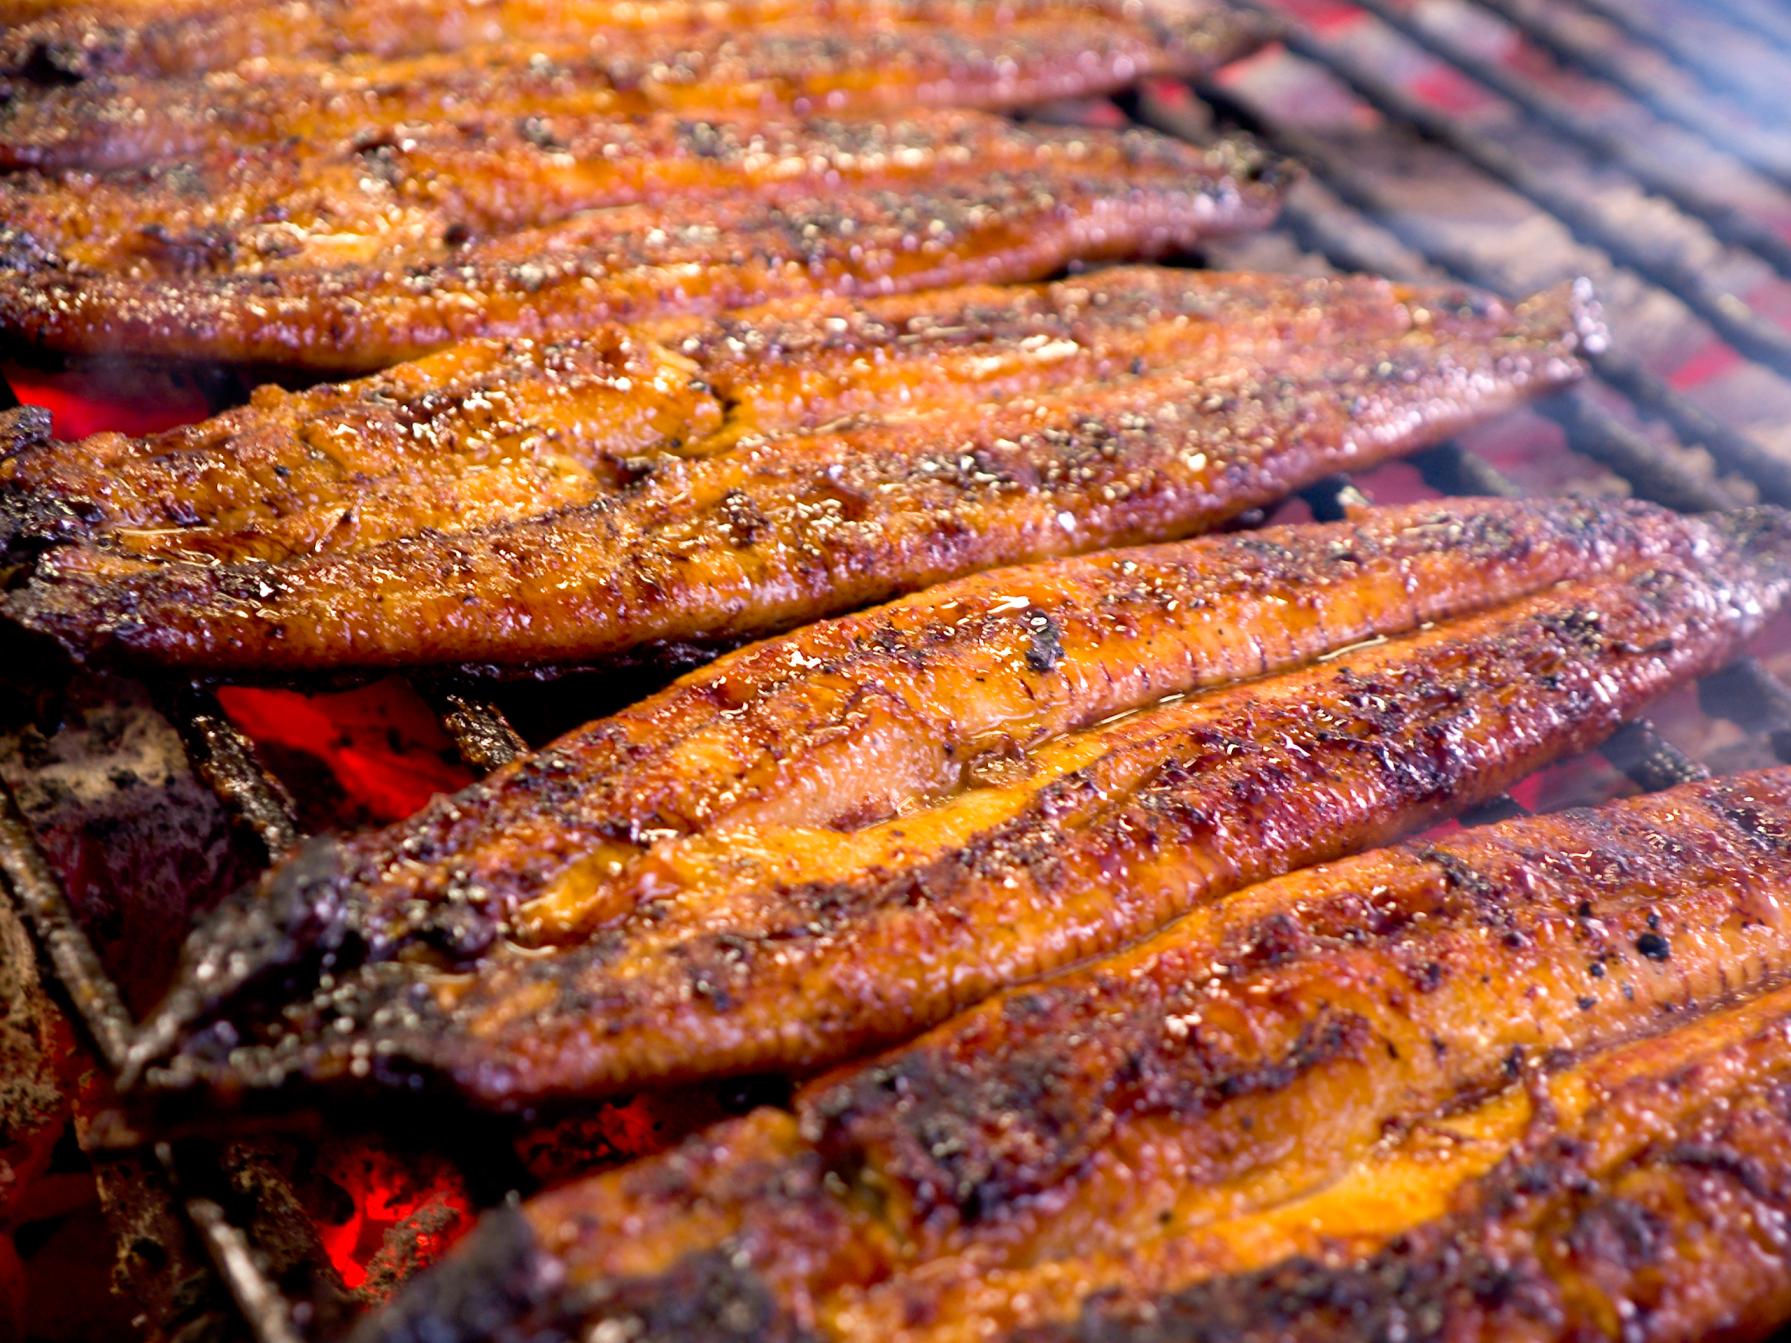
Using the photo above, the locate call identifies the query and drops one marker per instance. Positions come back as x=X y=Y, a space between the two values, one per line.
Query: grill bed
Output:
x=1659 y=173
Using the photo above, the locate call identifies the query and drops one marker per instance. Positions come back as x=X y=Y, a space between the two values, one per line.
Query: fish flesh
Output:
x=131 y=121
x=530 y=503
x=421 y=198
x=1264 y=1109
x=778 y=942
x=1134 y=194
x=56 y=42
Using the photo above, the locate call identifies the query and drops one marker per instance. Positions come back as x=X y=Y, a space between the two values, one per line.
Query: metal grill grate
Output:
x=1357 y=226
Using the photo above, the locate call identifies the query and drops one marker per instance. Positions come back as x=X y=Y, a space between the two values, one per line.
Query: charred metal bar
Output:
x=43 y=903
x=1334 y=498
x=1596 y=432
x=264 y=1309
x=1759 y=18
x=1724 y=221
x=1454 y=470
x=1760 y=340
x=1770 y=471
x=1761 y=152
x=1604 y=438
x=225 y=758
x=480 y=731
x=1502 y=808
x=1644 y=31
x=1748 y=694
x=1651 y=761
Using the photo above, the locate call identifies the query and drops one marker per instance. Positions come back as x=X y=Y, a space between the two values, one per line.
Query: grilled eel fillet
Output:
x=780 y=942
x=420 y=199
x=876 y=68
x=1205 y=1113
x=63 y=41
x=1132 y=194
x=531 y=503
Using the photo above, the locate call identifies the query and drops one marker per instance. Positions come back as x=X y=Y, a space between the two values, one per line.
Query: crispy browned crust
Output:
x=1676 y=1234
x=183 y=37
x=421 y=198
x=851 y=68
x=1192 y=1131
x=777 y=946
x=588 y=501
x=1143 y=195
x=852 y=721
x=1436 y=1179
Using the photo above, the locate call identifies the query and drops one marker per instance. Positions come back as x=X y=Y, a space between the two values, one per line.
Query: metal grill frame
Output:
x=1745 y=692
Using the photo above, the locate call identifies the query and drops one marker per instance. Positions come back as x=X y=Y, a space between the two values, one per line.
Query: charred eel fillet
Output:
x=1134 y=194
x=848 y=722
x=778 y=944
x=1205 y=1113
x=1641 y=1196
x=58 y=42
x=529 y=503
x=419 y=199
x=130 y=121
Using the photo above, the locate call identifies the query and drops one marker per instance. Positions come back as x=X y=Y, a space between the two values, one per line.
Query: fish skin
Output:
x=879 y=68
x=852 y=721
x=1150 y=196
x=420 y=197
x=788 y=948
x=56 y=43
x=1148 y=429
x=833 y=1222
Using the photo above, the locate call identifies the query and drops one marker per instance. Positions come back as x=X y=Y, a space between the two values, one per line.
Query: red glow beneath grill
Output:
x=82 y=402
x=380 y=742
x=400 y=1219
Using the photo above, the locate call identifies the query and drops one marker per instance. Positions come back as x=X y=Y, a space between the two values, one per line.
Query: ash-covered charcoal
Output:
x=35 y=1066
x=142 y=846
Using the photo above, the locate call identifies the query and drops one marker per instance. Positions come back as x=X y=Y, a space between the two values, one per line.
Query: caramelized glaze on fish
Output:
x=61 y=41
x=851 y=69
x=1196 y=1126
x=1139 y=194
x=531 y=503
x=785 y=945
x=422 y=197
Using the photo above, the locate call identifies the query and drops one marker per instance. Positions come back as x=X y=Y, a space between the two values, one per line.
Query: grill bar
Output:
x=267 y=1312
x=227 y=760
x=479 y=730
x=1724 y=221
x=1748 y=694
x=1452 y=469
x=1638 y=27
x=1759 y=18
x=1597 y=433
x=1760 y=151
x=98 y=1006
x=1726 y=313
